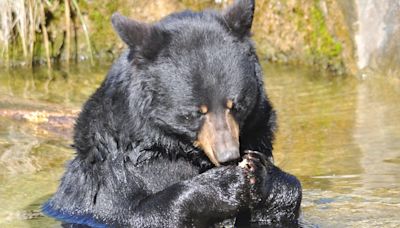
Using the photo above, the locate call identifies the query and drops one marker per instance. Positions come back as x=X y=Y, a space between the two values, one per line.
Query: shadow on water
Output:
x=340 y=135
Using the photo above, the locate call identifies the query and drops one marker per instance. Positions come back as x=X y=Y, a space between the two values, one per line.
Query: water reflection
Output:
x=377 y=133
x=37 y=110
x=340 y=135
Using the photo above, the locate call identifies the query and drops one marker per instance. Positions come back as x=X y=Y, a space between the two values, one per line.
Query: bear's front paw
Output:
x=259 y=170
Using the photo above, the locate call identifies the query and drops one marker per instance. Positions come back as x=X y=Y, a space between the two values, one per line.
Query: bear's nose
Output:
x=226 y=146
x=219 y=137
x=227 y=155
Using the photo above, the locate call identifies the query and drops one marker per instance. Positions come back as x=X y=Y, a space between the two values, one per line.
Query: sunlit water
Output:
x=339 y=135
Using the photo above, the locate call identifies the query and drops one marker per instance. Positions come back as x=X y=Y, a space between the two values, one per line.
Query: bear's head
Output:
x=199 y=73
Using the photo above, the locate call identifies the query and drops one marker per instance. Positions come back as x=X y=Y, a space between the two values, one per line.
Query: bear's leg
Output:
x=275 y=195
x=207 y=198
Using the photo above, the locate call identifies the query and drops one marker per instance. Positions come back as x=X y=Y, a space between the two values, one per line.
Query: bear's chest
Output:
x=158 y=174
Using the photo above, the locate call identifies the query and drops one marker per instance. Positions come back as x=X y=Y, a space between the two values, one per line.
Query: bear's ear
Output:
x=239 y=17
x=141 y=37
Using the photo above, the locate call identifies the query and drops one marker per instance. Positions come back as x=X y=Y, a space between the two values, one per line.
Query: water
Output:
x=36 y=117
x=339 y=135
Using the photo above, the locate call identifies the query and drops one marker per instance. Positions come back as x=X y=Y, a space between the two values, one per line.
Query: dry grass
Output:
x=22 y=22
x=19 y=20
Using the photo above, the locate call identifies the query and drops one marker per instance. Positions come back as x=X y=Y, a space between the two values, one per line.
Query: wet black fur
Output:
x=136 y=164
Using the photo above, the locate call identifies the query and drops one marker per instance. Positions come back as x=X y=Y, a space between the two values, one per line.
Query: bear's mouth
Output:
x=219 y=138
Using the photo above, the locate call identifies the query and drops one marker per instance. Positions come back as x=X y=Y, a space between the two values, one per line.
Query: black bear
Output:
x=180 y=132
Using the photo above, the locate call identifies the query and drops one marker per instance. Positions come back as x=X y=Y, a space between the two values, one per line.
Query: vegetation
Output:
x=48 y=31
x=28 y=29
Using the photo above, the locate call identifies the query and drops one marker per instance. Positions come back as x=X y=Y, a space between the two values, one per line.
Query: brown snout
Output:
x=219 y=138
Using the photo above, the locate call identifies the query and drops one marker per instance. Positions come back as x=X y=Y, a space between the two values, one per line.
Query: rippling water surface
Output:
x=339 y=135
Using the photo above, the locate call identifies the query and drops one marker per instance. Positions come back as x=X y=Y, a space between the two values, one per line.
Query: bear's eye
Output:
x=189 y=117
